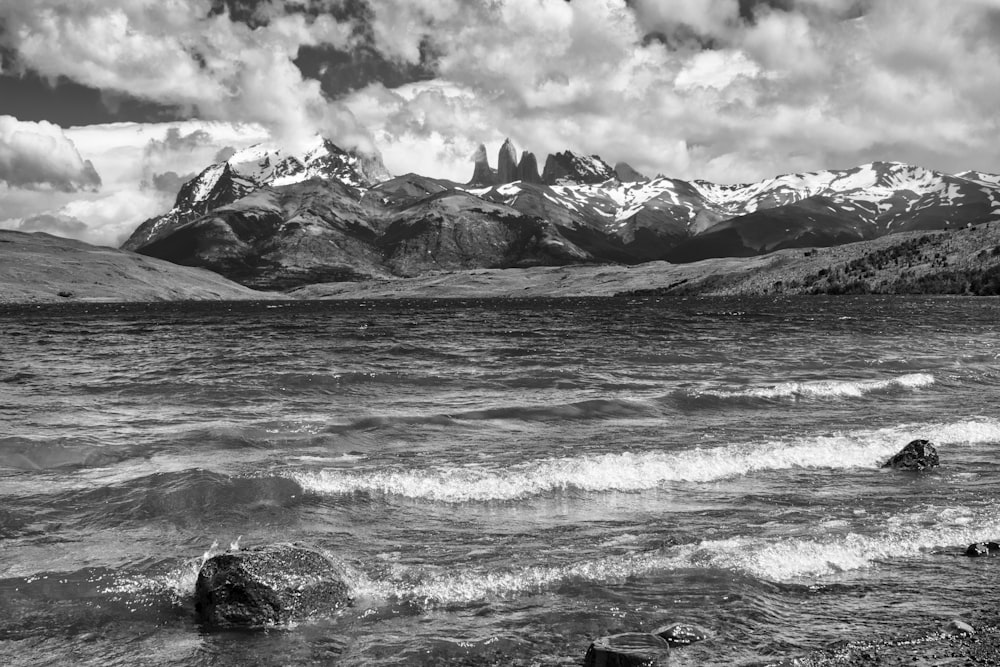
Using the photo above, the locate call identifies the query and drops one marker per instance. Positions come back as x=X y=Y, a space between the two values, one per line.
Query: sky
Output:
x=108 y=106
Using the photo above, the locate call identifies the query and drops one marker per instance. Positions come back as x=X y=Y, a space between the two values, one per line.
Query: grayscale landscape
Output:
x=592 y=332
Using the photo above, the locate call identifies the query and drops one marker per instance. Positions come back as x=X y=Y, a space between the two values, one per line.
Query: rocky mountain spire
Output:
x=507 y=163
x=482 y=173
x=569 y=167
x=527 y=168
x=626 y=174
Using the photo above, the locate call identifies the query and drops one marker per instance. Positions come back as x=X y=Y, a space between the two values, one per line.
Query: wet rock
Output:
x=681 y=634
x=958 y=627
x=917 y=455
x=268 y=585
x=630 y=649
x=980 y=549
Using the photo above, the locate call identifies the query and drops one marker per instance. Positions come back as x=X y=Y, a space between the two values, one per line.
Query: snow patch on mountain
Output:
x=258 y=166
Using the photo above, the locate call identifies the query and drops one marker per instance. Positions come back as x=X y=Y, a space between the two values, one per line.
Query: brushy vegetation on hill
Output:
x=964 y=261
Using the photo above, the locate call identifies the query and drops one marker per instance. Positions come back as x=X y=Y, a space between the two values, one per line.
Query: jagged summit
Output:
x=527 y=168
x=257 y=166
x=325 y=218
x=570 y=167
x=560 y=168
x=626 y=174
x=509 y=169
x=482 y=174
x=507 y=163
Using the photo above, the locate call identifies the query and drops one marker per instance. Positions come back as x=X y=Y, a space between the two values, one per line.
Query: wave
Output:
x=184 y=496
x=789 y=560
x=631 y=408
x=34 y=454
x=783 y=560
x=638 y=471
x=822 y=388
x=598 y=408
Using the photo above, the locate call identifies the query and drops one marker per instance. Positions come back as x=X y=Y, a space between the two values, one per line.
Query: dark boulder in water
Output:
x=268 y=585
x=681 y=634
x=631 y=649
x=980 y=549
x=917 y=455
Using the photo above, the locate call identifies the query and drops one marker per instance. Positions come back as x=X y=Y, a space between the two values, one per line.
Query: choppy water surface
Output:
x=502 y=480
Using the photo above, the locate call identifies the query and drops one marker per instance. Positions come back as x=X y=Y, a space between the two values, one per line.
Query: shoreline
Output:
x=941 y=645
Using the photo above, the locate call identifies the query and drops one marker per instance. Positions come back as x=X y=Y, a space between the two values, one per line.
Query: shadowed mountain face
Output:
x=277 y=222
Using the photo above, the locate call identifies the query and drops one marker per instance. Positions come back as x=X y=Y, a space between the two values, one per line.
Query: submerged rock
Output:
x=983 y=549
x=630 y=649
x=917 y=455
x=268 y=585
x=681 y=634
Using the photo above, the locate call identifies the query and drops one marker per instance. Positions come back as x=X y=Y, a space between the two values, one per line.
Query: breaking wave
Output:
x=823 y=388
x=631 y=471
x=809 y=560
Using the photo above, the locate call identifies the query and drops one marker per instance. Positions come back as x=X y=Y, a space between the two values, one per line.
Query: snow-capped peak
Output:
x=263 y=165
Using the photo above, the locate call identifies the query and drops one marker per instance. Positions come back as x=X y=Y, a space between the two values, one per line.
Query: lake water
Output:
x=503 y=481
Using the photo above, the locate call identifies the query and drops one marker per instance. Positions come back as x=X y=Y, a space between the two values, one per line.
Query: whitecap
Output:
x=818 y=389
x=639 y=471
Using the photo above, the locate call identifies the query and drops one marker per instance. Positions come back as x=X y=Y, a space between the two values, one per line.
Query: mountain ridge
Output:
x=272 y=221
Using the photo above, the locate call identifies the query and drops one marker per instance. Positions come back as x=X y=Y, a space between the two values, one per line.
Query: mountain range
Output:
x=271 y=220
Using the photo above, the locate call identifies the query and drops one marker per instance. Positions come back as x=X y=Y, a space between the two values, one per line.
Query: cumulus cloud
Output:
x=179 y=53
x=143 y=166
x=169 y=182
x=721 y=89
x=728 y=90
x=58 y=224
x=41 y=156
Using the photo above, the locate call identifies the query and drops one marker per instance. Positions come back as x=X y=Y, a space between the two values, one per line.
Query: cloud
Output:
x=59 y=224
x=720 y=89
x=174 y=140
x=180 y=53
x=142 y=166
x=727 y=90
x=41 y=156
x=169 y=182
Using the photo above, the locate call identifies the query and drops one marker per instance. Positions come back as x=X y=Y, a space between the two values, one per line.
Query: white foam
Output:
x=430 y=585
x=810 y=558
x=778 y=558
x=639 y=471
x=774 y=558
x=825 y=388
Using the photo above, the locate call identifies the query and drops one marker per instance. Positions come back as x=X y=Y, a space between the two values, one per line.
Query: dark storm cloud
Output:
x=64 y=102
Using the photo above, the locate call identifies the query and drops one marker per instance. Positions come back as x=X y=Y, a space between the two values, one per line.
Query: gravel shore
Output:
x=946 y=645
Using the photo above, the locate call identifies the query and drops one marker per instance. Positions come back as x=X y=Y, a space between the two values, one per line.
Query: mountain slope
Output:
x=40 y=268
x=276 y=222
x=320 y=231
x=253 y=168
x=963 y=261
